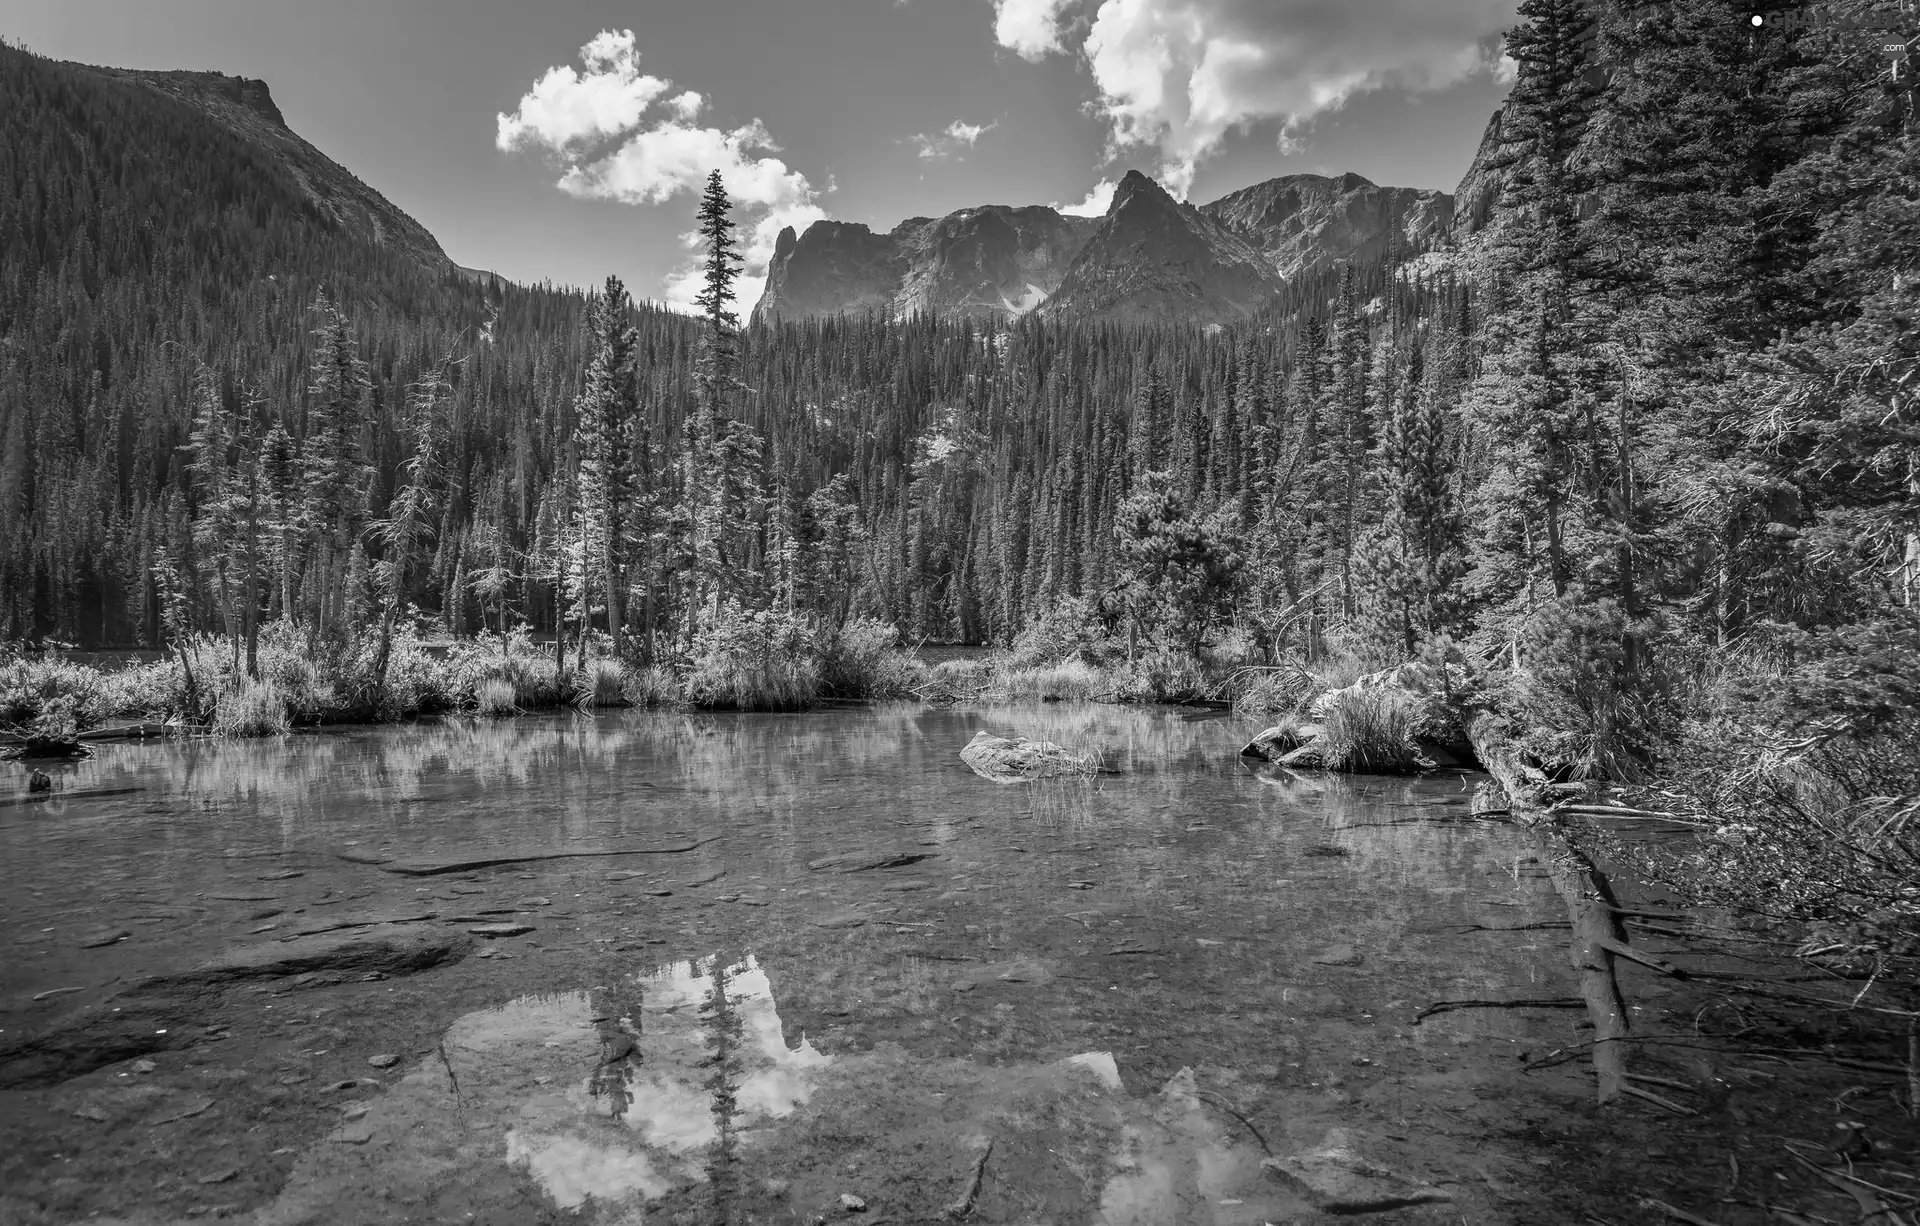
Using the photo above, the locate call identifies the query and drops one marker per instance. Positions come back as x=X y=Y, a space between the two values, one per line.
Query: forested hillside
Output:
x=1664 y=395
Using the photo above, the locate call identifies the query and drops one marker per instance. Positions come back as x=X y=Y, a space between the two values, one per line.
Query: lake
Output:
x=783 y=960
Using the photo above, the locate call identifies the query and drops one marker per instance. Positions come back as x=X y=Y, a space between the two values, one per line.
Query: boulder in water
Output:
x=1013 y=760
x=1279 y=741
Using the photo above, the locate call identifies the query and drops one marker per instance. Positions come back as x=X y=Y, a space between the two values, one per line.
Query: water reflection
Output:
x=1184 y=910
x=706 y=1083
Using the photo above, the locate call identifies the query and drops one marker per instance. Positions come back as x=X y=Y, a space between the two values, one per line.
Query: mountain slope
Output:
x=1306 y=222
x=246 y=108
x=1150 y=258
x=1157 y=260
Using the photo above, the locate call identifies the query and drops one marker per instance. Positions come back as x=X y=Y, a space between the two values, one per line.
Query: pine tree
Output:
x=1529 y=400
x=605 y=412
x=333 y=468
x=409 y=520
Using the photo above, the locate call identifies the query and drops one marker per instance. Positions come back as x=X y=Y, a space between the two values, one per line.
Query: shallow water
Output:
x=1249 y=946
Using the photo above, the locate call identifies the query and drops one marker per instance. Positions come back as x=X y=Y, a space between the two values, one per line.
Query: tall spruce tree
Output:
x=1530 y=402
x=605 y=413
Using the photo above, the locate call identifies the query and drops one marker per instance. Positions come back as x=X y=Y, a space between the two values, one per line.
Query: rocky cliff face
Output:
x=1302 y=223
x=1150 y=258
x=246 y=108
x=1154 y=259
x=1479 y=190
x=989 y=261
x=995 y=260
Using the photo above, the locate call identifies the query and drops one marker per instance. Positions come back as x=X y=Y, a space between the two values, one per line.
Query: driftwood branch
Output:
x=963 y=1205
x=1449 y=1006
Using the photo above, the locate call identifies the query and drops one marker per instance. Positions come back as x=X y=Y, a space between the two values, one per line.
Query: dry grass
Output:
x=1371 y=732
x=495 y=698
x=251 y=709
x=653 y=686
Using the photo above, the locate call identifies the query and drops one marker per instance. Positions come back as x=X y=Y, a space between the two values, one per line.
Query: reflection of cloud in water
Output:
x=524 y=1061
x=775 y=1078
x=670 y=1103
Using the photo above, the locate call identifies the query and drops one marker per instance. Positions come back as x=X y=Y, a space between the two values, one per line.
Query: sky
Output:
x=568 y=139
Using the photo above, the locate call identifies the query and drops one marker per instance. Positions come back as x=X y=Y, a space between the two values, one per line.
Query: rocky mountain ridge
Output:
x=1149 y=258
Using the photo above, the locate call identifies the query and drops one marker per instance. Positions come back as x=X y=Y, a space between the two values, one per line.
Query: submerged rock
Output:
x=1012 y=761
x=1280 y=740
x=865 y=861
x=1339 y=1180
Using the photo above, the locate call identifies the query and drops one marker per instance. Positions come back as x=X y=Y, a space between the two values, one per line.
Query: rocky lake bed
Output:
x=649 y=967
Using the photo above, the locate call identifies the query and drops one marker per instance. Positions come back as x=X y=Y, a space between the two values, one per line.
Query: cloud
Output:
x=1029 y=28
x=595 y=124
x=686 y=107
x=1177 y=76
x=1095 y=205
x=951 y=140
x=566 y=108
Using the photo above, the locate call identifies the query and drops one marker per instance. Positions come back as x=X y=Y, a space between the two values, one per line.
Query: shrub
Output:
x=250 y=709
x=953 y=681
x=652 y=686
x=1164 y=674
x=861 y=662
x=282 y=659
x=1576 y=705
x=751 y=661
x=536 y=679
x=52 y=698
x=495 y=698
x=1281 y=689
x=1071 y=631
x=145 y=691
x=1807 y=784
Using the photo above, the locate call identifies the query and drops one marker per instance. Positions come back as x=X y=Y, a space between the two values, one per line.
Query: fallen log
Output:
x=129 y=732
x=1598 y=929
x=1449 y=1006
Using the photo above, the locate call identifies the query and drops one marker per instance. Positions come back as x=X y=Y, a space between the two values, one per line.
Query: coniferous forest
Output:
x=1661 y=392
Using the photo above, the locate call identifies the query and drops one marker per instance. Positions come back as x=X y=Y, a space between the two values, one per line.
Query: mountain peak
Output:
x=212 y=88
x=1136 y=186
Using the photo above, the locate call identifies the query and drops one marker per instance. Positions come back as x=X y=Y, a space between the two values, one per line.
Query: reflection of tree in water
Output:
x=713 y=765
x=619 y=1014
x=723 y=1023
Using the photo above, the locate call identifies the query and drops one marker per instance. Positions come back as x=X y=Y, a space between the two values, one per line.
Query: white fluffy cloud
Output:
x=1028 y=28
x=1095 y=205
x=566 y=108
x=950 y=140
x=1177 y=76
x=596 y=125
